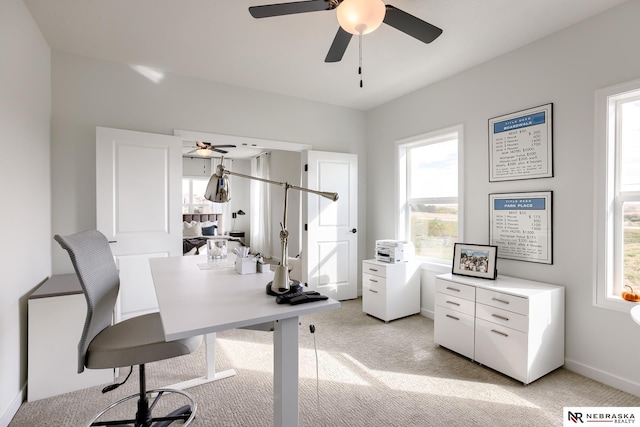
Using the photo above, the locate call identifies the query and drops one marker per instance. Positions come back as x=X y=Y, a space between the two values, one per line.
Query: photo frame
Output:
x=521 y=145
x=475 y=260
x=521 y=225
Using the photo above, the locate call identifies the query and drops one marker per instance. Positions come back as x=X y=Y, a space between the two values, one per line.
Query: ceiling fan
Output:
x=206 y=149
x=356 y=17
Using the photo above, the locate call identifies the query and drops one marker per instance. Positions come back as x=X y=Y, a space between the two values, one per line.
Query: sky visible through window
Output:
x=630 y=146
x=434 y=170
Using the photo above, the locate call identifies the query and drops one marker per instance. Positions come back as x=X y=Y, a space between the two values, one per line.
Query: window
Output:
x=617 y=154
x=193 y=200
x=430 y=179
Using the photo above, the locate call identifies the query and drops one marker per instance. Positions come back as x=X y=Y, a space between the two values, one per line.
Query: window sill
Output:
x=433 y=265
x=615 y=303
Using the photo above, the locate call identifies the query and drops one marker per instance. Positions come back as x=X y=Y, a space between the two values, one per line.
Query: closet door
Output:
x=330 y=244
x=138 y=207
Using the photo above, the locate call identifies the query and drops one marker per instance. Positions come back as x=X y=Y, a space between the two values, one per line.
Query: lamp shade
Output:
x=218 y=190
x=360 y=16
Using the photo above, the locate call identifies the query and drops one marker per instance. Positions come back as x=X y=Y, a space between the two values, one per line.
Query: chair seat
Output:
x=135 y=341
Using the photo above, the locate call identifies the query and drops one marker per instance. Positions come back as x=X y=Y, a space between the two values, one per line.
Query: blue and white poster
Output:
x=521 y=145
x=521 y=226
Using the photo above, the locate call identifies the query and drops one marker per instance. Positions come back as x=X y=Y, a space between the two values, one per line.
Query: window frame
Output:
x=402 y=177
x=608 y=239
x=214 y=209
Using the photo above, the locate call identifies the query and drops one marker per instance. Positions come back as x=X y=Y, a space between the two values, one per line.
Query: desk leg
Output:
x=210 y=342
x=285 y=373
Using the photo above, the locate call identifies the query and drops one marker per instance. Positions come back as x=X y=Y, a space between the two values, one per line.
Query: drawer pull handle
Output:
x=371 y=290
x=453 y=303
x=453 y=289
x=506 y=319
x=373 y=269
x=499 y=333
x=500 y=300
x=452 y=317
x=372 y=280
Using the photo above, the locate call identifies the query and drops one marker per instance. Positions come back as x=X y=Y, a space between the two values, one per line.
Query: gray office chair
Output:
x=134 y=341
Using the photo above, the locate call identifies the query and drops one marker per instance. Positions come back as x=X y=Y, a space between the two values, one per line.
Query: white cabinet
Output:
x=454 y=315
x=514 y=326
x=390 y=290
x=57 y=311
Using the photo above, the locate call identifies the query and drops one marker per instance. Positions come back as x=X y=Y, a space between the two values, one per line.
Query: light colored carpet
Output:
x=371 y=374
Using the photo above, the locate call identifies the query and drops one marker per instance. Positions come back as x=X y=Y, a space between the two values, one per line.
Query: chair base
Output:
x=186 y=413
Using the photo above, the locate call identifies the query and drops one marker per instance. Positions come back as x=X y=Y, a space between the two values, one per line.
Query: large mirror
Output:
x=254 y=212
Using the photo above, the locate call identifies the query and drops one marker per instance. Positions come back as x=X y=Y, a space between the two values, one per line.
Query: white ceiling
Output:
x=219 y=41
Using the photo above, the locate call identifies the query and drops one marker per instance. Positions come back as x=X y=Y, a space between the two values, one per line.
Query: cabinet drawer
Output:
x=456 y=289
x=454 y=303
x=502 y=317
x=454 y=331
x=375 y=269
x=504 y=301
x=503 y=349
x=372 y=280
x=374 y=300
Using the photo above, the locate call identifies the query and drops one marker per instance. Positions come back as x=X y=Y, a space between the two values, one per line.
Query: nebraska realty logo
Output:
x=601 y=415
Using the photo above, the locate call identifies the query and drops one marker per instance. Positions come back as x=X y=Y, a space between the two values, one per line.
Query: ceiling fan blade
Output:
x=339 y=46
x=219 y=150
x=411 y=25
x=203 y=144
x=224 y=146
x=279 y=9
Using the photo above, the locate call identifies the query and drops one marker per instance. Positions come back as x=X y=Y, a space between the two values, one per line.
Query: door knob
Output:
x=354 y=231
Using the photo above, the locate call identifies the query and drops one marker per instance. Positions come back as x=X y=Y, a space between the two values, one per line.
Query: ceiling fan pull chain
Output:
x=360 y=59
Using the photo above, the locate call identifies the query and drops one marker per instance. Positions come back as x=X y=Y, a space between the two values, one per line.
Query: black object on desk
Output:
x=300 y=298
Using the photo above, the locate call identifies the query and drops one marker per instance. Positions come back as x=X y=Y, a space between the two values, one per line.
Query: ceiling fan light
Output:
x=204 y=152
x=360 y=16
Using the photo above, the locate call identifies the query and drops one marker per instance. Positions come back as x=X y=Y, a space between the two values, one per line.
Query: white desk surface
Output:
x=193 y=301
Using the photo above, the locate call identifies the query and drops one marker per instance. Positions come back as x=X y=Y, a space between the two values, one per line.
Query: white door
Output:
x=330 y=254
x=138 y=207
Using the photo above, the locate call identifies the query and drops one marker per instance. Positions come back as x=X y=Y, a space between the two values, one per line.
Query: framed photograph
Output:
x=521 y=145
x=521 y=225
x=475 y=260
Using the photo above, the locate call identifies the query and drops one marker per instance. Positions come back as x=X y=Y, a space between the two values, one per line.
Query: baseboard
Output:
x=426 y=313
x=11 y=411
x=603 y=377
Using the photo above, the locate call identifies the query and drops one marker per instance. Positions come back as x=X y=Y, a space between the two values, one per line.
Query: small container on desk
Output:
x=217 y=249
x=246 y=265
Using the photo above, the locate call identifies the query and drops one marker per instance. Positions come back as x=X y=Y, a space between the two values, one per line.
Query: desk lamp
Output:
x=218 y=191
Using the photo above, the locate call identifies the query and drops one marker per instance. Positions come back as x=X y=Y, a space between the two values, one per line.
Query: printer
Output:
x=394 y=251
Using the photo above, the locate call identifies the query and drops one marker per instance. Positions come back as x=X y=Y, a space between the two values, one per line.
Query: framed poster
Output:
x=521 y=145
x=521 y=225
x=474 y=260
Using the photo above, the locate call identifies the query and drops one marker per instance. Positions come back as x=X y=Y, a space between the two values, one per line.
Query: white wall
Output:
x=25 y=226
x=565 y=69
x=240 y=198
x=89 y=93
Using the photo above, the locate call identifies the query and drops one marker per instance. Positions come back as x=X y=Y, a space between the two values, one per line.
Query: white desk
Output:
x=635 y=314
x=193 y=301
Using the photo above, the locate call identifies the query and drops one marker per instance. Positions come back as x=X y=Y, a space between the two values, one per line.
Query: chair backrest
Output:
x=96 y=269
